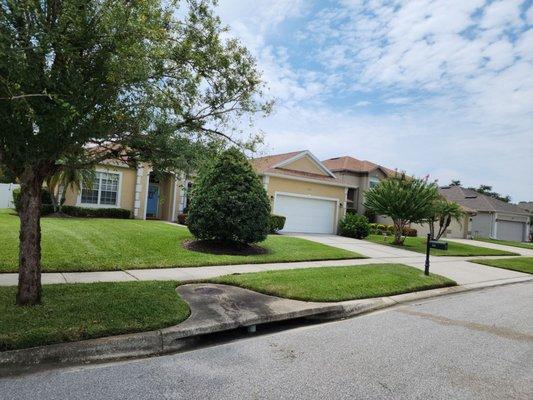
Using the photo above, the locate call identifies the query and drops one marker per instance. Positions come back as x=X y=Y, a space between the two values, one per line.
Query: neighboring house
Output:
x=528 y=206
x=140 y=190
x=486 y=216
x=360 y=176
x=304 y=190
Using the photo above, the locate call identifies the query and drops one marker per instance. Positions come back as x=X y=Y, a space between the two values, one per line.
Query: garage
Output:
x=306 y=214
x=511 y=230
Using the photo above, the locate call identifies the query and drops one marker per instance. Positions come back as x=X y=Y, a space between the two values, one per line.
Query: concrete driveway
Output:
x=519 y=250
x=457 y=268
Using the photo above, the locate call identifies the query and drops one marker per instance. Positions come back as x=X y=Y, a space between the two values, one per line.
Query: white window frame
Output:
x=373 y=179
x=98 y=205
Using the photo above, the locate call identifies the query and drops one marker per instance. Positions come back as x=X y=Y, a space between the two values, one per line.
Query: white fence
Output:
x=6 y=194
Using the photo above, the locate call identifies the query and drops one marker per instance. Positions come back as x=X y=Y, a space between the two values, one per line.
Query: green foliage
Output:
x=380 y=229
x=182 y=219
x=276 y=223
x=85 y=212
x=443 y=212
x=371 y=215
x=229 y=202
x=354 y=226
x=404 y=199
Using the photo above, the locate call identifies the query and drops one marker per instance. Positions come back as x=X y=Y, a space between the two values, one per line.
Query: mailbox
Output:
x=438 y=245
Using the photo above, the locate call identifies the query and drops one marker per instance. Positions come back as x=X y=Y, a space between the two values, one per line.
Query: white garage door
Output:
x=306 y=214
x=510 y=230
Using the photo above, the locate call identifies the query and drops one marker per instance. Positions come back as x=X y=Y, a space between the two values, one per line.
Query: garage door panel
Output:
x=510 y=230
x=305 y=214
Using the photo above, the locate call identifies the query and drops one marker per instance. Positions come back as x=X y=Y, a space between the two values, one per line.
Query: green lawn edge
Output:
x=80 y=311
x=333 y=284
x=455 y=249
x=519 y=264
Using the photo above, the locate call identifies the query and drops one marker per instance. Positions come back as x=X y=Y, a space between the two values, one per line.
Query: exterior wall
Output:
x=127 y=188
x=305 y=164
x=282 y=185
x=357 y=180
x=482 y=224
x=457 y=230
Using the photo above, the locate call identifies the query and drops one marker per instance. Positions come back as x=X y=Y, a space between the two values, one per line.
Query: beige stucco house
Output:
x=299 y=186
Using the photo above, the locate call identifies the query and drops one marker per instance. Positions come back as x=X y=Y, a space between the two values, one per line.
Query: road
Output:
x=476 y=345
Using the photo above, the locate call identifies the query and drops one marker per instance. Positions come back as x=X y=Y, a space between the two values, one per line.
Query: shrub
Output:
x=229 y=203
x=86 y=212
x=355 y=226
x=371 y=215
x=276 y=223
x=407 y=231
x=182 y=219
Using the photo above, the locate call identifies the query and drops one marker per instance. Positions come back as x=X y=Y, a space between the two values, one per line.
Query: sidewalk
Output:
x=456 y=268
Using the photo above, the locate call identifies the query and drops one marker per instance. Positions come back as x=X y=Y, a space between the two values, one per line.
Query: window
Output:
x=103 y=191
x=374 y=181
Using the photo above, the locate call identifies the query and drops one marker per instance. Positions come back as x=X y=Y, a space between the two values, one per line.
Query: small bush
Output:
x=86 y=212
x=355 y=226
x=371 y=215
x=407 y=231
x=276 y=223
x=182 y=219
x=380 y=229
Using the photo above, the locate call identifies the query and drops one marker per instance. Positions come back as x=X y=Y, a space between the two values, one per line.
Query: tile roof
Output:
x=266 y=165
x=347 y=163
x=473 y=200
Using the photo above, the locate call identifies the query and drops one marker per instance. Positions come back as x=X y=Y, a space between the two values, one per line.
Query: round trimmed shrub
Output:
x=229 y=203
x=354 y=226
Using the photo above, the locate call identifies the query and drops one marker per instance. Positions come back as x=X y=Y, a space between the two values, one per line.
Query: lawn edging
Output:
x=175 y=338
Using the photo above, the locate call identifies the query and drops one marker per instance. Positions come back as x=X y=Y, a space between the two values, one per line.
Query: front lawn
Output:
x=524 y=245
x=337 y=283
x=418 y=244
x=521 y=264
x=72 y=312
x=76 y=244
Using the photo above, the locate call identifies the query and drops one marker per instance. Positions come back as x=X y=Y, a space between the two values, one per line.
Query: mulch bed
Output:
x=224 y=248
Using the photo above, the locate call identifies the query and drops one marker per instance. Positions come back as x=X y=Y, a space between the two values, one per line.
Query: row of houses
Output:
x=312 y=194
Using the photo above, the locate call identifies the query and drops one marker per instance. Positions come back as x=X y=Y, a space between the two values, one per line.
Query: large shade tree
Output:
x=142 y=79
x=404 y=199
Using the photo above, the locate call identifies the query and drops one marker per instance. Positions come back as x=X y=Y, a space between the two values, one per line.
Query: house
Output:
x=299 y=186
x=359 y=175
x=304 y=190
x=486 y=216
x=141 y=190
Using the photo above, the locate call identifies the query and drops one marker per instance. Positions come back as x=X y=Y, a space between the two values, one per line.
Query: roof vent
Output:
x=471 y=197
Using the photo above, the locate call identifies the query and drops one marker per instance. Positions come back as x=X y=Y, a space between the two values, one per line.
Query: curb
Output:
x=176 y=338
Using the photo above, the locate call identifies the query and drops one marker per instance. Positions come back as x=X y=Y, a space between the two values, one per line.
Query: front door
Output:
x=153 y=201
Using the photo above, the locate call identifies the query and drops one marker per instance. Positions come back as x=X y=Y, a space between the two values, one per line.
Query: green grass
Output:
x=75 y=244
x=337 y=283
x=71 y=312
x=524 y=245
x=418 y=244
x=521 y=264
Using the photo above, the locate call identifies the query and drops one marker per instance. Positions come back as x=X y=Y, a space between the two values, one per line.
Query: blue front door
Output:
x=153 y=201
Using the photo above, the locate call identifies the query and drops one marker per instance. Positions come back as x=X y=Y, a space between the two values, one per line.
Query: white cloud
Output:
x=459 y=85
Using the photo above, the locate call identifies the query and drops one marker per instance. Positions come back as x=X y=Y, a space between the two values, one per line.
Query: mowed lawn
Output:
x=71 y=312
x=524 y=245
x=418 y=244
x=521 y=264
x=75 y=244
x=337 y=283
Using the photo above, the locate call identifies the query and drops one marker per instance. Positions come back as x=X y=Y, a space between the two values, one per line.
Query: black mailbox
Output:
x=438 y=245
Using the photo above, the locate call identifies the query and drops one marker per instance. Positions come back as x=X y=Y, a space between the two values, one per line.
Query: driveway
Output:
x=471 y=346
x=519 y=250
x=457 y=268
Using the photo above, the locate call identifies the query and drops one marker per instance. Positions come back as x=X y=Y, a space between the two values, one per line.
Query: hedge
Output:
x=87 y=212
x=276 y=223
x=381 y=229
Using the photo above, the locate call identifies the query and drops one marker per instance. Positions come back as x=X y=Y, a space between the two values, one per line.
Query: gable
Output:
x=305 y=164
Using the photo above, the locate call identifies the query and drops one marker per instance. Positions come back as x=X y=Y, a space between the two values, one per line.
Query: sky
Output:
x=432 y=87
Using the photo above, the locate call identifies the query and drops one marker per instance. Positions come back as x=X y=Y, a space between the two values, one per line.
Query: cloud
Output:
x=450 y=83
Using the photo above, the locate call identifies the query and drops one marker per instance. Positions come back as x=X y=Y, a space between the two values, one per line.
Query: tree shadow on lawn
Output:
x=224 y=248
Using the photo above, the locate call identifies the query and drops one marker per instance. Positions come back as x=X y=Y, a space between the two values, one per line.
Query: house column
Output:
x=138 y=188
x=495 y=231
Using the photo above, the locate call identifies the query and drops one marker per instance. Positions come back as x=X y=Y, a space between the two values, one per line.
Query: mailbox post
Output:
x=433 y=244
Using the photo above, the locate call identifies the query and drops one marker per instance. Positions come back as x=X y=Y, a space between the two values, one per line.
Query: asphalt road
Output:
x=476 y=345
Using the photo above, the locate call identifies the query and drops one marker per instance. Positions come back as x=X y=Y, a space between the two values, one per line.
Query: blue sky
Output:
x=440 y=87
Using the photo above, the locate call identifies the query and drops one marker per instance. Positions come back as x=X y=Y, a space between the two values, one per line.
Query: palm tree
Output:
x=68 y=176
x=444 y=212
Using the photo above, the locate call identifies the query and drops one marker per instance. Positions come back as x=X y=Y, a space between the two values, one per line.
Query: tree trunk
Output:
x=432 y=229
x=29 y=287
x=398 y=230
